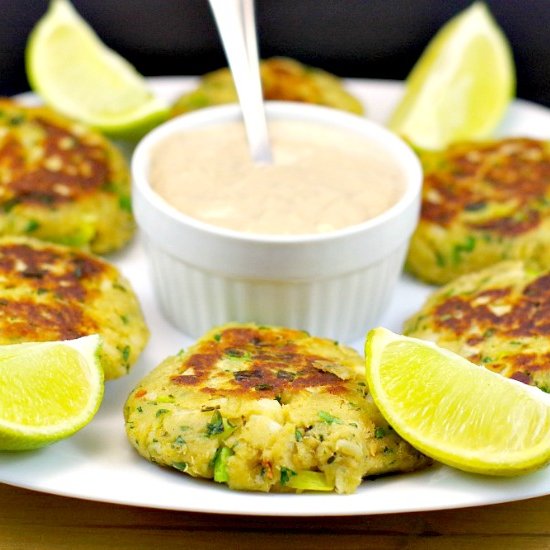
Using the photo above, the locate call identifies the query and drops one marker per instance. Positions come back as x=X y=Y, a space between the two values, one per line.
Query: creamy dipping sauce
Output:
x=322 y=178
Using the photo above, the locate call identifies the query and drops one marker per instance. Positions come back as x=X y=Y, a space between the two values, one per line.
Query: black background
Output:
x=356 y=38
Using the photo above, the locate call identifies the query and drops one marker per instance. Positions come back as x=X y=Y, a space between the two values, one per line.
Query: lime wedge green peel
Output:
x=48 y=391
x=76 y=74
x=458 y=413
x=461 y=86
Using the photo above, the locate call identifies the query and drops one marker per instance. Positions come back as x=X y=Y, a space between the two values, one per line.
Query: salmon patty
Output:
x=283 y=79
x=60 y=181
x=265 y=409
x=53 y=292
x=482 y=203
x=498 y=317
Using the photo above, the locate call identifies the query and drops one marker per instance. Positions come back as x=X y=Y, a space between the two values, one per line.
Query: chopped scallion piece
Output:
x=307 y=480
x=328 y=418
x=220 y=464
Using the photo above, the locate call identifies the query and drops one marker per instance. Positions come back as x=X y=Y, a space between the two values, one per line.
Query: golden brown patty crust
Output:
x=283 y=79
x=498 y=317
x=483 y=203
x=52 y=292
x=265 y=409
x=60 y=181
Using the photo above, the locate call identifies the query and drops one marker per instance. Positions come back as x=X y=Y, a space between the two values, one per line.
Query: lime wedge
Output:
x=461 y=86
x=454 y=411
x=48 y=391
x=76 y=74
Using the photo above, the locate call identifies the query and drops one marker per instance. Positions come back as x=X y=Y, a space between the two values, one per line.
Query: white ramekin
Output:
x=334 y=284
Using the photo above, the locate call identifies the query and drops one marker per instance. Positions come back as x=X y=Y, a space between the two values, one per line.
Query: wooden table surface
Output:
x=33 y=521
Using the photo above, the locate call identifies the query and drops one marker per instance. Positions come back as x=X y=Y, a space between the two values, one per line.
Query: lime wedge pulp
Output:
x=76 y=74
x=461 y=86
x=48 y=391
x=454 y=411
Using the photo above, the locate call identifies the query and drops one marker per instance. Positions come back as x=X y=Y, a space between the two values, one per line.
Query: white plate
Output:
x=99 y=464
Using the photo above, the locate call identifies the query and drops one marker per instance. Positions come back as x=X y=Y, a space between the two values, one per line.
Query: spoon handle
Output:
x=236 y=25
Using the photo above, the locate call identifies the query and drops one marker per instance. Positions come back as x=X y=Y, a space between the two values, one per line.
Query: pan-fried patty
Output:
x=53 y=292
x=498 y=317
x=60 y=181
x=264 y=408
x=282 y=79
x=483 y=203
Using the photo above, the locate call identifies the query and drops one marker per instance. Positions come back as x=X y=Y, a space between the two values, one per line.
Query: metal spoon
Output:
x=236 y=25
